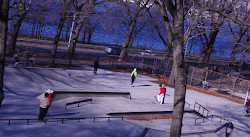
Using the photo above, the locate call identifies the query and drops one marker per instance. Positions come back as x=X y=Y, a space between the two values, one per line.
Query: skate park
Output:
x=108 y=101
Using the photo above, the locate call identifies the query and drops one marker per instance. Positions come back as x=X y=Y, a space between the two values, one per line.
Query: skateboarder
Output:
x=133 y=76
x=44 y=103
x=96 y=65
x=161 y=95
x=247 y=106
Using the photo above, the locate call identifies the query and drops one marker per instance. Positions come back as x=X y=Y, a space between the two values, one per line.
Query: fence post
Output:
x=220 y=82
x=192 y=75
x=234 y=84
x=153 y=66
x=142 y=62
x=248 y=86
x=203 y=86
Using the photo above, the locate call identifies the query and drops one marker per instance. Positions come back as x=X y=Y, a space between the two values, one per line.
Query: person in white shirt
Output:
x=44 y=103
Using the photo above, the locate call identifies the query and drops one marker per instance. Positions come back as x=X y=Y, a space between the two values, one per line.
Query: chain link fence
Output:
x=218 y=82
x=197 y=77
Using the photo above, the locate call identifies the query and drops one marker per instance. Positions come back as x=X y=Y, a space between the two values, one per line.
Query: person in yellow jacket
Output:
x=133 y=76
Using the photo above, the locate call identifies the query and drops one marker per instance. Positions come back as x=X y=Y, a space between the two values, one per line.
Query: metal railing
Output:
x=201 y=108
x=187 y=104
x=78 y=102
x=61 y=119
x=212 y=117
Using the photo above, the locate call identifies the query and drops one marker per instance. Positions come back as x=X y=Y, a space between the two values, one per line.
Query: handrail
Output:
x=46 y=119
x=203 y=108
x=187 y=104
x=78 y=102
x=212 y=116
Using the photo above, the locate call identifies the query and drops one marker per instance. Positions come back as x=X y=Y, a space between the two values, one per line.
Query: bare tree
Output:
x=246 y=49
x=157 y=28
x=4 y=10
x=237 y=37
x=132 y=12
x=176 y=39
x=83 y=9
x=89 y=29
x=21 y=9
x=177 y=10
x=217 y=12
x=66 y=5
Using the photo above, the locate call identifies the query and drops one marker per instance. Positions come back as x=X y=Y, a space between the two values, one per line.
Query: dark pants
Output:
x=42 y=113
x=46 y=111
x=95 y=70
x=132 y=79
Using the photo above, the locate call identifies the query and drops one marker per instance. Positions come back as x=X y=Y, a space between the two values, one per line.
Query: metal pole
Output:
x=220 y=82
x=247 y=94
x=192 y=75
x=205 y=79
x=153 y=66
x=142 y=63
x=72 y=26
x=234 y=86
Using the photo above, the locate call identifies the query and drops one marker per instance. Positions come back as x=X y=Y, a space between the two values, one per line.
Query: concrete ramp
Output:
x=58 y=95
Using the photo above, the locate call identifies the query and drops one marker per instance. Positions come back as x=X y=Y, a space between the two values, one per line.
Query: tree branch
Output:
x=230 y=17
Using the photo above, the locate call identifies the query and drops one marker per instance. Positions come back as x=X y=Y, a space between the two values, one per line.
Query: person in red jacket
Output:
x=50 y=98
x=161 y=95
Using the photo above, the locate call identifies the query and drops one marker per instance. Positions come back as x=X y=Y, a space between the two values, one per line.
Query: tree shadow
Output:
x=62 y=114
x=144 y=85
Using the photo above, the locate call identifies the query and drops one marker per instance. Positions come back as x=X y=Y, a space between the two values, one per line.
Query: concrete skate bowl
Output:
x=59 y=95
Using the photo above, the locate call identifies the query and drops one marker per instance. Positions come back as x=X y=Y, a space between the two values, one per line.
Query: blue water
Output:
x=143 y=39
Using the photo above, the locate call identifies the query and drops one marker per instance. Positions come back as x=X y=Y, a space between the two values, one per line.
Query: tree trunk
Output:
x=126 y=43
x=89 y=37
x=14 y=35
x=71 y=51
x=56 y=41
x=33 y=29
x=171 y=77
x=79 y=24
x=4 y=10
x=208 y=48
x=243 y=56
x=233 y=53
x=84 y=36
x=179 y=70
x=58 y=33
x=67 y=31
